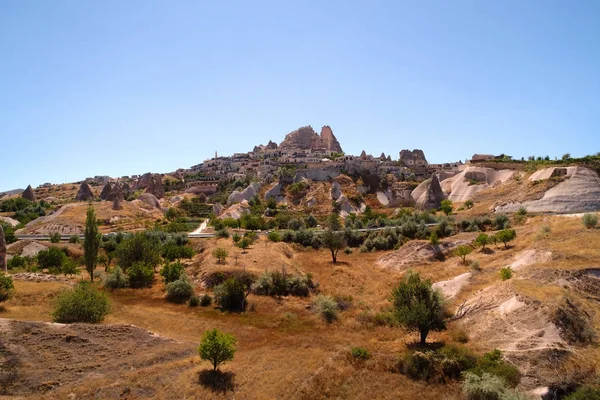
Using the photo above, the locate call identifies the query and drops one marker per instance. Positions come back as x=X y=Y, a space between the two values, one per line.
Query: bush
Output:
x=141 y=247
x=501 y=222
x=494 y=364
x=172 y=272
x=295 y=224
x=443 y=365
x=469 y=204
x=194 y=301
x=172 y=251
x=74 y=239
x=231 y=295
x=55 y=260
x=117 y=280
x=205 y=300
x=223 y=233
x=327 y=307
x=589 y=220
x=360 y=353
x=236 y=238
x=180 y=290
x=585 y=393
x=220 y=254
x=55 y=237
x=140 y=275
x=274 y=237
x=506 y=273
x=84 y=303
x=279 y=283
x=6 y=287
x=488 y=387
x=475 y=266
x=18 y=262
x=446 y=207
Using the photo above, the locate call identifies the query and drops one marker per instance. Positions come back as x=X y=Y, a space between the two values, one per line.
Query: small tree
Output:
x=417 y=306
x=274 y=237
x=463 y=251
x=181 y=290
x=333 y=222
x=590 y=220
x=505 y=236
x=91 y=242
x=220 y=254
x=334 y=241
x=6 y=287
x=244 y=244
x=482 y=241
x=217 y=347
x=446 y=207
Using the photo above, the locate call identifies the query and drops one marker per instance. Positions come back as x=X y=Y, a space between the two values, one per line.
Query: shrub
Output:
x=506 y=273
x=172 y=272
x=244 y=244
x=446 y=207
x=443 y=365
x=482 y=240
x=585 y=393
x=140 y=275
x=205 y=300
x=311 y=221
x=172 y=251
x=494 y=364
x=475 y=266
x=18 y=262
x=6 y=287
x=360 y=353
x=84 y=303
x=574 y=323
x=236 y=238
x=231 y=295
x=55 y=260
x=74 y=239
x=348 y=250
x=55 y=237
x=469 y=204
x=460 y=335
x=274 y=237
x=220 y=254
x=501 y=222
x=194 y=301
x=590 y=220
x=116 y=280
x=295 y=224
x=327 y=307
x=217 y=347
x=522 y=211
x=223 y=233
x=488 y=387
x=280 y=283
x=180 y=290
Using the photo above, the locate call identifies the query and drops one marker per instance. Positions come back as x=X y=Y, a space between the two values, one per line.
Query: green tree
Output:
x=505 y=236
x=333 y=222
x=220 y=254
x=244 y=244
x=446 y=207
x=334 y=241
x=463 y=251
x=139 y=247
x=274 y=237
x=91 y=241
x=482 y=241
x=417 y=306
x=217 y=347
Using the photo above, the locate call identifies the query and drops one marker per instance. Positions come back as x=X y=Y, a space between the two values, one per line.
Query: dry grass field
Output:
x=285 y=350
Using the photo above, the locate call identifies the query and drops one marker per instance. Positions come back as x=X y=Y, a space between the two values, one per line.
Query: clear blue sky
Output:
x=124 y=87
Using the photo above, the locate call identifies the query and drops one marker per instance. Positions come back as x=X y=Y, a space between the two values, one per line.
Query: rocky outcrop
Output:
x=413 y=158
x=117 y=204
x=152 y=183
x=126 y=189
x=269 y=146
x=246 y=194
x=275 y=192
x=217 y=209
x=85 y=193
x=9 y=221
x=307 y=139
x=336 y=190
x=2 y=250
x=346 y=207
x=429 y=195
x=115 y=193
x=105 y=193
x=150 y=199
x=472 y=180
x=399 y=194
x=28 y=194
x=578 y=192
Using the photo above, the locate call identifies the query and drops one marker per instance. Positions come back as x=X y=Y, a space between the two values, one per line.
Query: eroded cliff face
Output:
x=306 y=138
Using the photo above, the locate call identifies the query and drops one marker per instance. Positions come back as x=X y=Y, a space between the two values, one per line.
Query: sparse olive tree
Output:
x=334 y=241
x=463 y=251
x=505 y=236
x=417 y=306
x=91 y=241
x=482 y=240
x=220 y=254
